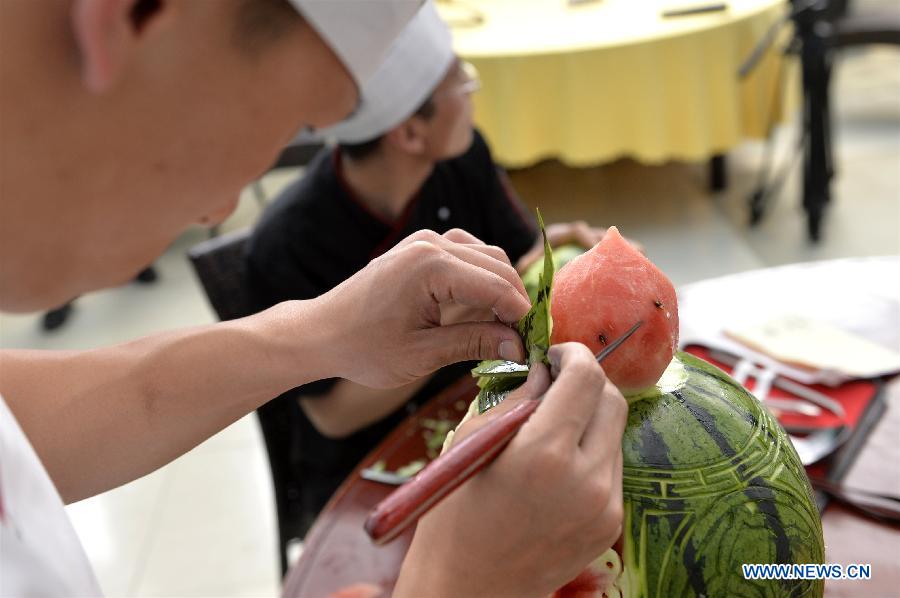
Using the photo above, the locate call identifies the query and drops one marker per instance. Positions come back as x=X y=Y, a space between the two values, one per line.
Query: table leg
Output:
x=717 y=178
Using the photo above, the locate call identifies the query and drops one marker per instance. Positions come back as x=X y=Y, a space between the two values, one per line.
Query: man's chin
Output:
x=461 y=149
x=47 y=294
x=28 y=302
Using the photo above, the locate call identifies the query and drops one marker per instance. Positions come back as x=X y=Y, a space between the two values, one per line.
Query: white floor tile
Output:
x=216 y=534
x=116 y=528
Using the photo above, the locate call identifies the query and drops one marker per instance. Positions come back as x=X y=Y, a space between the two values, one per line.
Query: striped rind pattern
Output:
x=711 y=481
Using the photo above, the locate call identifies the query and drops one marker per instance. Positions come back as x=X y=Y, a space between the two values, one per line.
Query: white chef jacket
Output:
x=40 y=554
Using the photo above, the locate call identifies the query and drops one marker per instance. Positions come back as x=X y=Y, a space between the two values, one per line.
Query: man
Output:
x=123 y=121
x=408 y=160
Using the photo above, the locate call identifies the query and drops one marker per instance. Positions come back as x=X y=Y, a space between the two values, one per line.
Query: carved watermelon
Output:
x=710 y=479
x=710 y=482
x=600 y=294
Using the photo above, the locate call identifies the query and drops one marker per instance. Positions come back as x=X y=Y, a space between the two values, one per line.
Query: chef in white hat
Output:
x=126 y=120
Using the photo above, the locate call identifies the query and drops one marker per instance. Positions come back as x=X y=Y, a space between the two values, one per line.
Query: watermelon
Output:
x=710 y=482
x=359 y=590
x=600 y=294
x=710 y=479
x=601 y=578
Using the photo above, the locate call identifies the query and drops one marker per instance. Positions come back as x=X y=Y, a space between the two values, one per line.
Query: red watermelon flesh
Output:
x=600 y=294
x=359 y=590
x=599 y=580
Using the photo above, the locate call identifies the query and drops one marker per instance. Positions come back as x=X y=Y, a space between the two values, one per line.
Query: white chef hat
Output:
x=358 y=31
x=413 y=67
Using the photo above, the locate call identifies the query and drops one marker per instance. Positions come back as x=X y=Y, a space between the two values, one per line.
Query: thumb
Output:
x=471 y=341
x=535 y=385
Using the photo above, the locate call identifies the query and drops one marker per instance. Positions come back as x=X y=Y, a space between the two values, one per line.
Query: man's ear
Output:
x=107 y=32
x=411 y=135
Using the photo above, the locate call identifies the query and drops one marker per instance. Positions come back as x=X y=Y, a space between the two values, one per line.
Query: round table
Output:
x=337 y=552
x=593 y=81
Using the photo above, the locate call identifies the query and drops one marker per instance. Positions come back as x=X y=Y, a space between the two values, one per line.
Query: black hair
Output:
x=364 y=149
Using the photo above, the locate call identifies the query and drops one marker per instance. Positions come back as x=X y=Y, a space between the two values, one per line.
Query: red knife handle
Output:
x=446 y=473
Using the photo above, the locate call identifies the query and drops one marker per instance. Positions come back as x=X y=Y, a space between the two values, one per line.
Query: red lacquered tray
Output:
x=337 y=552
x=863 y=404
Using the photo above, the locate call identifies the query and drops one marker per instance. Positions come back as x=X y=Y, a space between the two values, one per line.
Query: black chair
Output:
x=220 y=266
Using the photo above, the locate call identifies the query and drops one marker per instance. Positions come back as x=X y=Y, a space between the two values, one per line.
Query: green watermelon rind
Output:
x=745 y=497
x=730 y=496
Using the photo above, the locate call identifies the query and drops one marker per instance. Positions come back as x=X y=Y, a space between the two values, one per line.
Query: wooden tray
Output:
x=337 y=552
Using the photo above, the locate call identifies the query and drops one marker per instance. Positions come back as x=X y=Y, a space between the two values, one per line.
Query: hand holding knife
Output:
x=446 y=473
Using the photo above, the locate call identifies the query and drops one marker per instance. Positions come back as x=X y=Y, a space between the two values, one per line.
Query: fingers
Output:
x=470 y=249
x=572 y=399
x=578 y=232
x=455 y=236
x=444 y=345
x=582 y=233
x=604 y=430
x=586 y=236
x=573 y=232
x=471 y=278
x=558 y=234
x=611 y=520
x=458 y=235
x=492 y=259
x=461 y=237
x=535 y=385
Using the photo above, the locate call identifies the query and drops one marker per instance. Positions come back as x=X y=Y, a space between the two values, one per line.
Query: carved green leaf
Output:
x=496 y=390
x=500 y=368
x=497 y=378
x=535 y=327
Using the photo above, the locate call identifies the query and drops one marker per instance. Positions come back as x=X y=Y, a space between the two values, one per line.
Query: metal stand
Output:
x=812 y=41
x=718 y=178
x=814 y=33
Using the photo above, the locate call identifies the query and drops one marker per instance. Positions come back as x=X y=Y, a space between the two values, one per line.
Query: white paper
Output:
x=860 y=296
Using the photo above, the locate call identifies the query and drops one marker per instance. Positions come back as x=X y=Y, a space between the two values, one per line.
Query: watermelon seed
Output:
x=658 y=303
x=602 y=339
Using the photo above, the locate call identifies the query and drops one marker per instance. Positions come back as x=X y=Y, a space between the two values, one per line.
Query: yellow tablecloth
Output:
x=592 y=82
